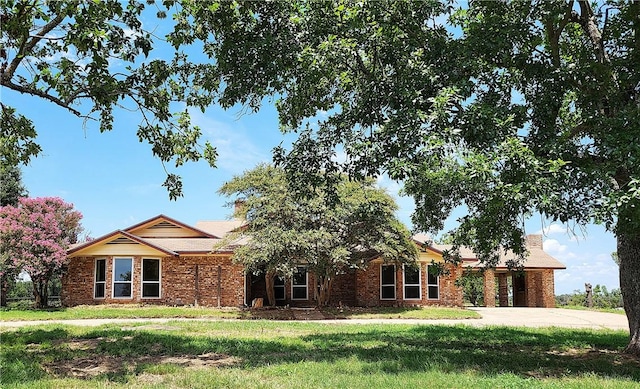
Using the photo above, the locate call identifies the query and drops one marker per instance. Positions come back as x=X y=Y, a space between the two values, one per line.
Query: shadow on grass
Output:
x=29 y=355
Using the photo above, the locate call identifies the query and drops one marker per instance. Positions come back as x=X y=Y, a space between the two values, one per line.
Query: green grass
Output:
x=158 y=311
x=619 y=311
x=269 y=354
x=430 y=313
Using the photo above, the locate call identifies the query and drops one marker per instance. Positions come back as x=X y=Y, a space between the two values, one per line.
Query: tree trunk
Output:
x=40 y=293
x=629 y=255
x=5 y=290
x=269 y=277
x=325 y=290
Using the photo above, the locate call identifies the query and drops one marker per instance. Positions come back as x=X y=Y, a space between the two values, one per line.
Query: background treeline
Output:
x=602 y=298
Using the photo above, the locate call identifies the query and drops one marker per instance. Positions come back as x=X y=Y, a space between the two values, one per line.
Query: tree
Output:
x=472 y=285
x=327 y=237
x=91 y=57
x=12 y=188
x=34 y=237
x=507 y=108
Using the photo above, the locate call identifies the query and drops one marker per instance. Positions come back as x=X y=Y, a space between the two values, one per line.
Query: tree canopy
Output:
x=329 y=238
x=92 y=58
x=505 y=108
x=34 y=238
x=12 y=188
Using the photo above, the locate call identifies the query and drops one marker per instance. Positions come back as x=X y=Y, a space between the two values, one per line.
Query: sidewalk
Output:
x=516 y=317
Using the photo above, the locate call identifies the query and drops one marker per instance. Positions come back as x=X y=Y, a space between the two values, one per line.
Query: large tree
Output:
x=91 y=59
x=505 y=108
x=327 y=236
x=34 y=238
x=12 y=188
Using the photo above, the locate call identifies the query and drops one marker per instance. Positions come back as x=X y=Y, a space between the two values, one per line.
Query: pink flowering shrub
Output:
x=34 y=237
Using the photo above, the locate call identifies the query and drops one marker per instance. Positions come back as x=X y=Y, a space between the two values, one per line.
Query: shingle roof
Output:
x=537 y=258
x=219 y=227
x=184 y=245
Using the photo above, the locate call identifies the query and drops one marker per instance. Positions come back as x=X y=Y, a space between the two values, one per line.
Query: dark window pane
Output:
x=388 y=274
x=150 y=270
x=150 y=290
x=411 y=275
x=101 y=270
x=389 y=292
x=121 y=289
x=279 y=292
x=300 y=276
x=122 y=269
x=433 y=292
x=412 y=292
x=99 y=290
x=278 y=281
x=300 y=293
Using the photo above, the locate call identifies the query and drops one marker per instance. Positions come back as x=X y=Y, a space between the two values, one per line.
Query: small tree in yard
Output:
x=329 y=235
x=472 y=285
x=34 y=237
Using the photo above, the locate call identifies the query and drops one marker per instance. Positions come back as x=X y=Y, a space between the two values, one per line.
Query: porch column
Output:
x=548 y=289
x=503 y=290
x=489 y=288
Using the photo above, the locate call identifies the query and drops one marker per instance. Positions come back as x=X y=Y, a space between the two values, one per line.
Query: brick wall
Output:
x=489 y=291
x=184 y=280
x=367 y=285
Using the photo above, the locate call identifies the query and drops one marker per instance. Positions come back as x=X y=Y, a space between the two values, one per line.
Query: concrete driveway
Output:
x=519 y=317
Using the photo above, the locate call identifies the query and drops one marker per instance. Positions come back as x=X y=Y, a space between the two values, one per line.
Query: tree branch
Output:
x=39 y=93
x=591 y=29
x=27 y=46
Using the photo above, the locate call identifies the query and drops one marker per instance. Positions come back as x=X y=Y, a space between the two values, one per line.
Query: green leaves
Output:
x=80 y=50
x=286 y=230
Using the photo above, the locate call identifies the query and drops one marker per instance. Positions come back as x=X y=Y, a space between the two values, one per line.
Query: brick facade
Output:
x=368 y=287
x=189 y=274
x=212 y=280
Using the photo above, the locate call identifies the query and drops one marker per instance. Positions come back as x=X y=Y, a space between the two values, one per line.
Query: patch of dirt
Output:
x=594 y=353
x=286 y=313
x=91 y=366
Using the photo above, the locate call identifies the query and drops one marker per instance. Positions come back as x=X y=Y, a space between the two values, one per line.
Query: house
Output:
x=164 y=261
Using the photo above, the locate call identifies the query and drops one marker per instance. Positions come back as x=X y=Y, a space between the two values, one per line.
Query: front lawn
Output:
x=159 y=311
x=277 y=354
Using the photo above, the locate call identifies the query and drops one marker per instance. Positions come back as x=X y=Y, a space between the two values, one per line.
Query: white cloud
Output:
x=553 y=228
x=236 y=151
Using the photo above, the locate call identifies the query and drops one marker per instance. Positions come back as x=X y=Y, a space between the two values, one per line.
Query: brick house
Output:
x=164 y=261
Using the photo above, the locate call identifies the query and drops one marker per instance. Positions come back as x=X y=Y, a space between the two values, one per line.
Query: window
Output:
x=411 y=282
x=150 y=278
x=100 y=279
x=388 y=282
x=122 y=277
x=299 y=284
x=278 y=287
x=433 y=288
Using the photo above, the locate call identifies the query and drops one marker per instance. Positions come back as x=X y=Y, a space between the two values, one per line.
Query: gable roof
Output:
x=156 y=227
x=117 y=237
x=160 y=234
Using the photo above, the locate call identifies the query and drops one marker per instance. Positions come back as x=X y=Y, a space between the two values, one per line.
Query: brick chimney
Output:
x=534 y=241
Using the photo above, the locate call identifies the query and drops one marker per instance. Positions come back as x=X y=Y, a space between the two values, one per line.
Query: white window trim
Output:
x=419 y=284
x=394 y=283
x=96 y=282
x=283 y=287
x=159 y=282
x=113 y=278
x=306 y=285
x=437 y=285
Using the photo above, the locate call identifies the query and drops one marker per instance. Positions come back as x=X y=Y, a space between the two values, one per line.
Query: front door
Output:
x=519 y=290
